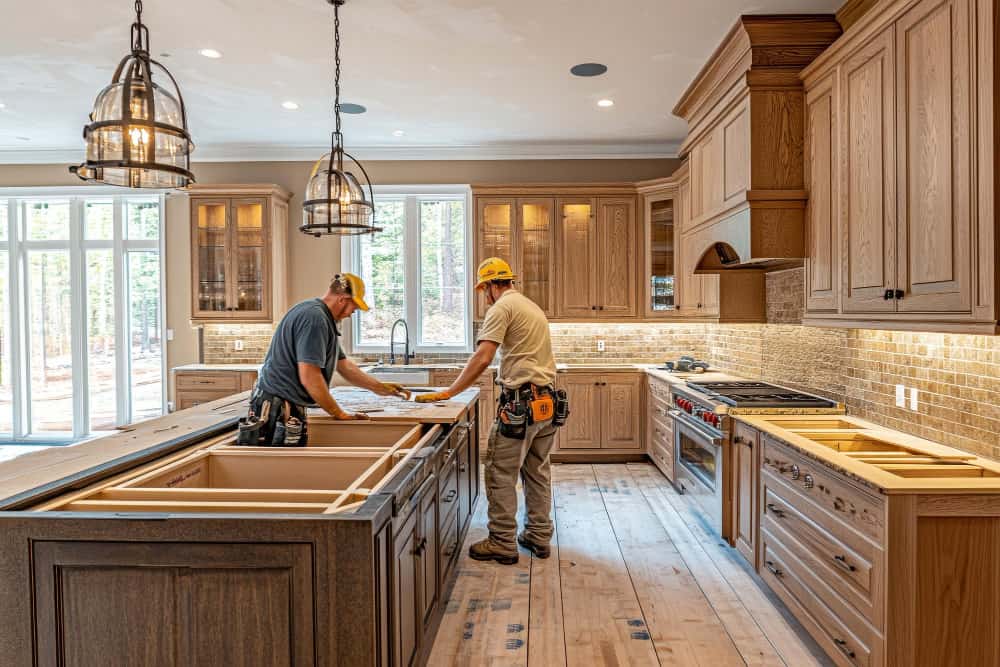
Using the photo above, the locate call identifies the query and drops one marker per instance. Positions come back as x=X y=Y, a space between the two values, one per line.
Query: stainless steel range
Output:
x=702 y=413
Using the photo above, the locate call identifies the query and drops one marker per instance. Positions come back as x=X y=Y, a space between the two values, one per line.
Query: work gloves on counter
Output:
x=393 y=389
x=433 y=397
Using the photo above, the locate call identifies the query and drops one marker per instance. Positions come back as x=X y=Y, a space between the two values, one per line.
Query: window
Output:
x=81 y=313
x=416 y=268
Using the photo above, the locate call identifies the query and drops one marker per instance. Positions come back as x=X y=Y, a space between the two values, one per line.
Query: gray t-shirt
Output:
x=306 y=334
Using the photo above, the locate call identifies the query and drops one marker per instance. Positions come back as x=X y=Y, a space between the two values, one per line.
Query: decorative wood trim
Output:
x=852 y=11
x=553 y=189
x=238 y=190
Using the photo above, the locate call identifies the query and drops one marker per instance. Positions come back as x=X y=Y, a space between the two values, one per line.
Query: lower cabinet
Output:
x=406 y=594
x=746 y=490
x=660 y=427
x=193 y=387
x=606 y=416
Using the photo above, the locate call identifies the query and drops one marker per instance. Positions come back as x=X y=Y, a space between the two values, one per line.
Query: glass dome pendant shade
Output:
x=335 y=202
x=138 y=135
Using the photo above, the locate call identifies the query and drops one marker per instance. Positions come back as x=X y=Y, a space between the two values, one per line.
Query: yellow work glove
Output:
x=432 y=397
x=393 y=389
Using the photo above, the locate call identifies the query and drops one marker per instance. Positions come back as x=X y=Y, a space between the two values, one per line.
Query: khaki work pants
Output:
x=507 y=459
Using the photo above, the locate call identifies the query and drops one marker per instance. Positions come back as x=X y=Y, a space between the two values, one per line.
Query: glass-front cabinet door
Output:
x=660 y=242
x=230 y=259
x=211 y=257
x=537 y=245
x=496 y=236
x=249 y=296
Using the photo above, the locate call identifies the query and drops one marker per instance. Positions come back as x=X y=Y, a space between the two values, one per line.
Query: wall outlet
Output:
x=238 y=345
x=170 y=334
x=914 y=403
x=900 y=396
x=600 y=346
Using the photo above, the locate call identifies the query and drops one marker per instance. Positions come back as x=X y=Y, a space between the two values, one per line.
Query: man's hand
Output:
x=433 y=397
x=393 y=389
x=341 y=415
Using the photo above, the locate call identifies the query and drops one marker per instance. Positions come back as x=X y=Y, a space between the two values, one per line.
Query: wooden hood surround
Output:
x=745 y=111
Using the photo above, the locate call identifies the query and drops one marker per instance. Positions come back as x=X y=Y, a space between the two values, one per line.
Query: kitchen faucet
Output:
x=406 y=343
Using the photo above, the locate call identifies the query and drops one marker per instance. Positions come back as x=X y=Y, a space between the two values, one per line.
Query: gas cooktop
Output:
x=747 y=394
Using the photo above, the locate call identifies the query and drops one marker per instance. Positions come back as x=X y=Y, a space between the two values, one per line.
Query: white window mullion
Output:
x=161 y=247
x=123 y=355
x=411 y=270
x=19 y=351
x=78 y=320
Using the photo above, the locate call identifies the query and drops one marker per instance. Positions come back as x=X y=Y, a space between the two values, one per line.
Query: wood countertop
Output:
x=395 y=409
x=805 y=433
x=216 y=367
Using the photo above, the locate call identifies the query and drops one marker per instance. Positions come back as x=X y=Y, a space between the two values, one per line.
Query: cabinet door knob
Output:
x=887 y=295
x=898 y=294
x=796 y=473
x=593 y=307
x=807 y=481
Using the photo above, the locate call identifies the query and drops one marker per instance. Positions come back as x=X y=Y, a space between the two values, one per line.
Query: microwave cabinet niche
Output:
x=339 y=553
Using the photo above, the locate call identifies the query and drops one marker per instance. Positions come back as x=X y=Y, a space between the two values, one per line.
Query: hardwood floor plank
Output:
x=748 y=637
x=603 y=620
x=790 y=647
x=546 y=635
x=486 y=618
x=684 y=627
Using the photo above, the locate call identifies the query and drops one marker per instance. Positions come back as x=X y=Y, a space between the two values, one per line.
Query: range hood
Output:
x=745 y=148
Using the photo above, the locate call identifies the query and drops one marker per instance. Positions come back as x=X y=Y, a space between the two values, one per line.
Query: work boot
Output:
x=540 y=550
x=488 y=550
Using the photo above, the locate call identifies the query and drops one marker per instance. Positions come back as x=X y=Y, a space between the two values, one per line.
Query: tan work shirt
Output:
x=519 y=326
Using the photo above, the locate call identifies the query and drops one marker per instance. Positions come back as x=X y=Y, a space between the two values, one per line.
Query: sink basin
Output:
x=413 y=376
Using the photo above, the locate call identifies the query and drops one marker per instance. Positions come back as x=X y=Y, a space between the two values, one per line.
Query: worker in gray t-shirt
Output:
x=303 y=356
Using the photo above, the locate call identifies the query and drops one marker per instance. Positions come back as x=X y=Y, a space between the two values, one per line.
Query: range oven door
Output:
x=698 y=466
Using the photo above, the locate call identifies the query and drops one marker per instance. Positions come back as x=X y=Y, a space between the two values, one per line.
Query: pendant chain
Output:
x=336 y=58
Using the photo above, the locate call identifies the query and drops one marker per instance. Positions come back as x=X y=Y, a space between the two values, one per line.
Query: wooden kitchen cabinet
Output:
x=520 y=230
x=239 y=246
x=901 y=111
x=194 y=386
x=660 y=426
x=746 y=491
x=606 y=416
x=574 y=249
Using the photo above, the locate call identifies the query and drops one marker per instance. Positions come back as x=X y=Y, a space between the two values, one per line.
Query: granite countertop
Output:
x=217 y=367
x=798 y=432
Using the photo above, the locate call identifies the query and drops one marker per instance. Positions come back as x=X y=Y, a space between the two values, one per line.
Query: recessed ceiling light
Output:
x=2 y=105
x=605 y=103
x=350 y=107
x=398 y=133
x=210 y=53
x=588 y=69
x=291 y=106
x=24 y=138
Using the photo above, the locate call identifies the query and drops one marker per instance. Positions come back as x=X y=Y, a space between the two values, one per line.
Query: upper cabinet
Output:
x=574 y=249
x=900 y=163
x=239 y=240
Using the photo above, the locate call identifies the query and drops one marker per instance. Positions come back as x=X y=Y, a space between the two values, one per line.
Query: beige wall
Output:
x=313 y=260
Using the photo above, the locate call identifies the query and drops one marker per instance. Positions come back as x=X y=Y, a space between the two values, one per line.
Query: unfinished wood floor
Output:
x=635 y=578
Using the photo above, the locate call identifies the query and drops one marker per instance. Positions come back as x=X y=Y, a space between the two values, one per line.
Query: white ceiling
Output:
x=461 y=78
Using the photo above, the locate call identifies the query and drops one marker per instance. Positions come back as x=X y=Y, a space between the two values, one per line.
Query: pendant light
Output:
x=335 y=201
x=138 y=135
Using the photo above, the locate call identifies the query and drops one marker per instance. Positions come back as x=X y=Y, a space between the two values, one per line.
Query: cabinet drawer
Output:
x=449 y=488
x=449 y=546
x=222 y=381
x=663 y=458
x=846 y=638
x=660 y=409
x=659 y=389
x=189 y=399
x=661 y=434
x=854 y=571
x=838 y=498
x=743 y=433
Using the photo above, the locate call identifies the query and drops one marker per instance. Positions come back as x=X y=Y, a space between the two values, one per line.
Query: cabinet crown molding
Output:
x=238 y=190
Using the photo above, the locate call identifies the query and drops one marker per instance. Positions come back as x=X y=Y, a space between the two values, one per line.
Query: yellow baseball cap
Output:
x=356 y=288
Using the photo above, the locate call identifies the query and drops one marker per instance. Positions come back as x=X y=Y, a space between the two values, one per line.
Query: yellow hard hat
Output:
x=355 y=287
x=492 y=269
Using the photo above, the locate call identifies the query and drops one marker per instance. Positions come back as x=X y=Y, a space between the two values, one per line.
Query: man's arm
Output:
x=477 y=363
x=311 y=378
x=350 y=372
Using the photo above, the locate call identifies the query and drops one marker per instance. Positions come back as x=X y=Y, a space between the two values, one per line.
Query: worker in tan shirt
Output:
x=522 y=435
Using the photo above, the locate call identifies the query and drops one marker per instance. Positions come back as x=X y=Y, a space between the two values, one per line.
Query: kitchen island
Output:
x=167 y=544
x=882 y=544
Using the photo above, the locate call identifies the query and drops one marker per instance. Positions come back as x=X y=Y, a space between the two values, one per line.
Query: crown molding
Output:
x=272 y=153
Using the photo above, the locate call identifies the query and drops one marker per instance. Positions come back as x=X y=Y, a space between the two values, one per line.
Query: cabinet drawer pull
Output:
x=844 y=648
x=898 y=294
x=887 y=295
x=462 y=468
x=417 y=550
x=451 y=549
x=844 y=565
x=773 y=569
x=796 y=473
x=776 y=511
x=738 y=439
x=807 y=481
x=450 y=496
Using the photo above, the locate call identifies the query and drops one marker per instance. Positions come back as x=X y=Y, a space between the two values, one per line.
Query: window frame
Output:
x=18 y=248
x=412 y=195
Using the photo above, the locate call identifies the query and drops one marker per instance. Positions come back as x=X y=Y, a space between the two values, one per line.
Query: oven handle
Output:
x=683 y=419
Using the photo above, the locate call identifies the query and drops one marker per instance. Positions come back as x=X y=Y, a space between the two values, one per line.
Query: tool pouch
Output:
x=293 y=432
x=512 y=421
x=248 y=431
x=541 y=404
x=561 y=408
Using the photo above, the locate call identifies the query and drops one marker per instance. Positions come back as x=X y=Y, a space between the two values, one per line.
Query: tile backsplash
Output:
x=957 y=376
